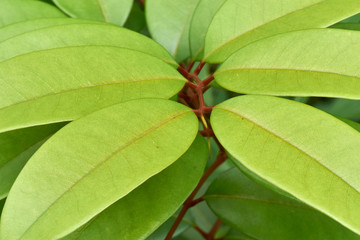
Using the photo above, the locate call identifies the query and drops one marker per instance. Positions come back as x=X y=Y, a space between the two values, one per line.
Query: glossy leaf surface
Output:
x=200 y=21
x=35 y=92
x=12 y=11
x=144 y=209
x=283 y=141
x=90 y=168
x=112 y=11
x=16 y=29
x=264 y=214
x=240 y=22
x=169 y=24
x=318 y=62
x=16 y=148
x=81 y=34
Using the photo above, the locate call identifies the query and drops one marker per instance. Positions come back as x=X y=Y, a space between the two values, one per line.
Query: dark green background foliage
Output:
x=179 y=119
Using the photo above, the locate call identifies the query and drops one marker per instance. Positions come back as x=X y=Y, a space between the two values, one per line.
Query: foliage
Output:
x=181 y=119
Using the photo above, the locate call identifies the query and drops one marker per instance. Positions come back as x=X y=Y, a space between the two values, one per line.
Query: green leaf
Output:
x=144 y=209
x=16 y=29
x=34 y=91
x=16 y=149
x=12 y=11
x=169 y=24
x=240 y=22
x=136 y=20
x=317 y=62
x=89 y=168
x=264 y=214
x=112 y=11
x=283 y=141
x=200 y=21
x=81 y=34
x=349 y=26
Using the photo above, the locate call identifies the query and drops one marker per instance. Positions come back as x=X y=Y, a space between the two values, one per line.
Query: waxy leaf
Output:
x=240 y=22
x=84 y=169
x=64 y=84
x=318 y=62
x=16 y=29
x=12 y=11
x=264 y=214
x=81 y=34
x=169 y=24
x=200 y=21
x=16 y=148
x=112 y=11
x=152 y=203
x=301 y=150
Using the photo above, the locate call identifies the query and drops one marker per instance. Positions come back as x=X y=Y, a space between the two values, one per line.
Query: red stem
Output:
x=190 y=200
x=199 y=68
x=211 y=235
x=208 y=80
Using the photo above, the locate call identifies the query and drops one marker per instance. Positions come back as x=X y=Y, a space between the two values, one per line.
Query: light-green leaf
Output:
x=169 y=24
x=12 y=11
x=16 y=149
x=144 y=209
x=112 y=11
x=300 y=149
x=317 y=62
x=93 y=162
x=200 y=21
x=81 y=34
x=240 y=22
x=264 y=214
x=67 y=83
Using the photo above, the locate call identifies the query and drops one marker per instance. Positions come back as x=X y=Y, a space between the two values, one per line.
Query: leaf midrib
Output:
x=124 y=146
x=292 y=145
x=259 y=26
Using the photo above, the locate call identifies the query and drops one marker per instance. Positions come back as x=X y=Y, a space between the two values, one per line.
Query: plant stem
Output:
x=211 y=235
x=190 y=200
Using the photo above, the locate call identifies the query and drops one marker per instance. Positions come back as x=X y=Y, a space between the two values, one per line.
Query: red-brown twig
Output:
x=189 y=201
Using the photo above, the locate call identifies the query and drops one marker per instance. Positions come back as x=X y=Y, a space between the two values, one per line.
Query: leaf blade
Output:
x=169 y=25
x=138 y=218
x=12 y=11
x=119 y=163
x=271 y=149
x=79 y=33
x=112 y=11
x=104 y=76
x=261 y=213
x=260 y=19
x=286 y=65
